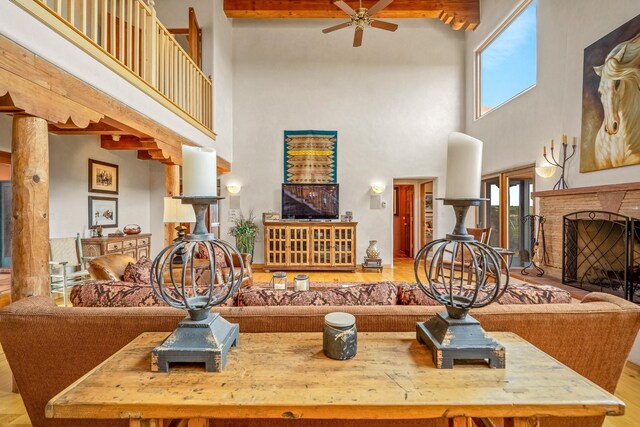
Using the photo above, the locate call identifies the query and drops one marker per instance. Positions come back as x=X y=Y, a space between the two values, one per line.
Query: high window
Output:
x=506 y=62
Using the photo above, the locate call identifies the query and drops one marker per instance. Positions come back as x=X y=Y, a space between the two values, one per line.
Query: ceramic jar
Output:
x=340 y=337
x=372 y=250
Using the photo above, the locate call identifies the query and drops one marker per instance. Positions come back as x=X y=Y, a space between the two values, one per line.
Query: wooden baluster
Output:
x=112 y=29
x=94 y=20
x=83 y=17
x=143 y=46
x=161 y=47
x=71 y=12
x=57 y=5
x=151 y=47
x=136 y=39
x=129 y=37
x=121 y=25
x=104 y=24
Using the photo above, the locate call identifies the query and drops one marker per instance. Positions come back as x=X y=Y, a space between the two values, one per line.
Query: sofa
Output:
x=49 y=347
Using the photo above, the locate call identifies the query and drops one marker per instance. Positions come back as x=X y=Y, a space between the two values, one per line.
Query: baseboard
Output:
x=633 y=366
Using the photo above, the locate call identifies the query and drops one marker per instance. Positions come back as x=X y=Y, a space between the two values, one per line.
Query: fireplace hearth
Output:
x=601 y=252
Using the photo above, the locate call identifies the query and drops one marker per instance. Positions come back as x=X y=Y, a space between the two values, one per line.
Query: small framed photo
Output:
x=270 y=216
x=103 y=177
x=103 y=211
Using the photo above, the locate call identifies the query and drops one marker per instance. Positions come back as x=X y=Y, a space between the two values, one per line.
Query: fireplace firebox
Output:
x=602 y=253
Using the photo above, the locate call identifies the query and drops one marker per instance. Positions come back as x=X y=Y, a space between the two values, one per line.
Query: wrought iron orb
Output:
x=177 y=263
x=460 y=274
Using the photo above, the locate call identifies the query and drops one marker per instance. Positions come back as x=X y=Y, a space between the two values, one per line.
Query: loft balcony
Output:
x=127 y=37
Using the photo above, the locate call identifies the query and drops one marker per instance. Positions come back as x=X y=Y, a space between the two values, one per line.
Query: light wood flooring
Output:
x=13 y=413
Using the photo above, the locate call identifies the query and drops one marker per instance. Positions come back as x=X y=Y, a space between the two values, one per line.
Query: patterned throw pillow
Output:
x=521 y=293
x=383 y=293
x=139 y=273
x=202 y=253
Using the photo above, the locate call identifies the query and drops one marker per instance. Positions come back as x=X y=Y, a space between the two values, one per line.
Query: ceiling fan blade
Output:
x=384 y=25
x=378 y=7
x=357 y=39
x=337 y=27
x=345 y=7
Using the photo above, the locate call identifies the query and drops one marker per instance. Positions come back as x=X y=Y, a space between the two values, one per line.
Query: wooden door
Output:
x=403 y=221
x=322 y=246
x=298 y=246
x=275 y=245
x=408 y=221
x=343 y=246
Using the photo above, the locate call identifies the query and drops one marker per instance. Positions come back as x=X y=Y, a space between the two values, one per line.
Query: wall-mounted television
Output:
x=310 y=201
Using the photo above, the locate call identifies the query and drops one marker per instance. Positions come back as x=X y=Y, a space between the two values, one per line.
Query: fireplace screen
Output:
x=602 y=253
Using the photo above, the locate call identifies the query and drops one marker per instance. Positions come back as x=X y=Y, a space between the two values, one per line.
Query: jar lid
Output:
x=301 y=277
x=339 y=319
x=279 y=274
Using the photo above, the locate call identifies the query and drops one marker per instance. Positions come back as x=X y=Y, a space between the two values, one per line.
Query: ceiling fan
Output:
x=362 y=17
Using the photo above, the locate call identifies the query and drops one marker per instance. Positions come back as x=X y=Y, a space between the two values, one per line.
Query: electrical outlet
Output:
x=383 y=204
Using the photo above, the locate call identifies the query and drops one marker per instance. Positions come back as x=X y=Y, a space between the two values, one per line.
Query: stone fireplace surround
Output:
x=623 y=199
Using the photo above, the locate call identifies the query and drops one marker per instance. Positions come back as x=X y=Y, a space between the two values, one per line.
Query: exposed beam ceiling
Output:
x=460 y=14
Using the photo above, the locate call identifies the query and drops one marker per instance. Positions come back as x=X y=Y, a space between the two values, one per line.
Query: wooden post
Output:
x=172 y=188
x=30 y=207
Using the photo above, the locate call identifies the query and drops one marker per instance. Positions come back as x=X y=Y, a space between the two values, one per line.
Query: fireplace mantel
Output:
x=588 y=190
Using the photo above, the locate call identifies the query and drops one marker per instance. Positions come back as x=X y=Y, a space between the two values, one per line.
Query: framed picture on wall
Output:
x=395 y=201
x=103 y=211
x=103 y=177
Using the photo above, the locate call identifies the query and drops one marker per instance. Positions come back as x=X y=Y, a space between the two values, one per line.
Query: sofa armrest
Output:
x=602 y=297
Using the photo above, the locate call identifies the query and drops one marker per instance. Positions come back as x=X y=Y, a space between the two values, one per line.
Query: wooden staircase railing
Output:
x=127 y=36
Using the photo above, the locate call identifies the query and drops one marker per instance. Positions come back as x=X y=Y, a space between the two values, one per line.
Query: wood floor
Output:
x=13 y=413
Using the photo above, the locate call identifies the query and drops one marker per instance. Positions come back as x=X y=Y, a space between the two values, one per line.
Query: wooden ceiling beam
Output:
x=99 y=128
x=459 y=14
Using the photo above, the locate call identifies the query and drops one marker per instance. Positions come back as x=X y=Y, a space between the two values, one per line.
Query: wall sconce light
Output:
x=234 y=188
x=377 y=188
x=544 y=168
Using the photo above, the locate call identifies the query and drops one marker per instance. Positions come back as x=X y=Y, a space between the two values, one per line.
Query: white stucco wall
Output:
x=393 y=102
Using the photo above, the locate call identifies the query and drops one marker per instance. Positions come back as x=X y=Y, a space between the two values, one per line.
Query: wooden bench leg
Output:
x=156 y=422
x=461 y=422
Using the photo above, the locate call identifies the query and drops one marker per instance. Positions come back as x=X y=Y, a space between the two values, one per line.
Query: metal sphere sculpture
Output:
x=460 y=273
x=191 y=284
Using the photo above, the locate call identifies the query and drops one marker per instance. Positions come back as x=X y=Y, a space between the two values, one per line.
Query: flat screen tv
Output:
x=310 y=201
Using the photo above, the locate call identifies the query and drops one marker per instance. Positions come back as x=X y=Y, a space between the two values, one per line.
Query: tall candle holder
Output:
x=460 y=273
x=561 y=161
x=203 y=336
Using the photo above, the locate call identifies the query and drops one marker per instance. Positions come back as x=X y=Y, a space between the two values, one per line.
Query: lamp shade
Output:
x=175 y=211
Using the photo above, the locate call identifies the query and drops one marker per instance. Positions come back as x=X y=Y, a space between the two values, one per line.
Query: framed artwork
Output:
x=428 y=202
x=610 y=99
x=103 y=177
x=103 y=211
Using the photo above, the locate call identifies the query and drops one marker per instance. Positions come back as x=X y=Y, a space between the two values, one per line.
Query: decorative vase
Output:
x=245 y=243
x=372 y=250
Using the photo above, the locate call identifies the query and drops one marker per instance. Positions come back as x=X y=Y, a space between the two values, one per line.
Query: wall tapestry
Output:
x=611 y=100
x=310 y=156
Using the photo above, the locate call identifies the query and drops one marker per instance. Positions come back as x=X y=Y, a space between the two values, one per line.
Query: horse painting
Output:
x=611 y=115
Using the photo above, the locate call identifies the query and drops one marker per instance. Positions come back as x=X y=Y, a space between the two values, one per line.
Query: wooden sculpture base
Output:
x=204 y=341
x=459 y=339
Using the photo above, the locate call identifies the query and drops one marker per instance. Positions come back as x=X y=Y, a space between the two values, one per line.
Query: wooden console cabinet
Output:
x=309 y=245
x=135 y=245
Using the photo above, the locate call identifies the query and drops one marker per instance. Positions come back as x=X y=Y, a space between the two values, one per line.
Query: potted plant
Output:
x=244 y=230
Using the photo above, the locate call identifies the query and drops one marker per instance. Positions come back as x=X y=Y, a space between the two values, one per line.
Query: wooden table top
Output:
x=286 y=375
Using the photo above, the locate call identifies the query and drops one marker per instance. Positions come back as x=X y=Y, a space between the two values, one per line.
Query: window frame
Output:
x=477 y=72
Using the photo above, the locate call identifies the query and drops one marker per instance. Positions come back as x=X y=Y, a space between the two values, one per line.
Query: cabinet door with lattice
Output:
x=275 y=246
x=298 y=245
x=321 y=244
x=344 y=251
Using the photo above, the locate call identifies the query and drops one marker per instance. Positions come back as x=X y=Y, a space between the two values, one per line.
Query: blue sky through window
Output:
x=508 y=64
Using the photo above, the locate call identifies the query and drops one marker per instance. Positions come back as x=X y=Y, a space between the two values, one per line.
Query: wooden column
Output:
x=30 y=207
x=172 y=188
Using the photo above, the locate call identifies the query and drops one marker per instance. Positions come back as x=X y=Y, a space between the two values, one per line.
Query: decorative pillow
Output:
x=140 y=272
x=521 y=293
x=202 y=253
x=383 y=293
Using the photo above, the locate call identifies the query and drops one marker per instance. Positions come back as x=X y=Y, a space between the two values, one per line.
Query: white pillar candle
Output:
x=199 y=171
x=464 y=167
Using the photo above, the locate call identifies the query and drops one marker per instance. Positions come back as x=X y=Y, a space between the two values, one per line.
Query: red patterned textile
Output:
x=521 y=293
x=382 y=293
x=202 y=253
x=139 y=272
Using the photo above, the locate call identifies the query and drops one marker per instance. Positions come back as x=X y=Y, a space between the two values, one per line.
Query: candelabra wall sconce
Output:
x=561 y=161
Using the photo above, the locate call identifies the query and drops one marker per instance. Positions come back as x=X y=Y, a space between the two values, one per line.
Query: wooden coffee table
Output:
x=286 y=375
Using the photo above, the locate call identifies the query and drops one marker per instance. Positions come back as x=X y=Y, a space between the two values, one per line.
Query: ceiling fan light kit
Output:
x=361 y=18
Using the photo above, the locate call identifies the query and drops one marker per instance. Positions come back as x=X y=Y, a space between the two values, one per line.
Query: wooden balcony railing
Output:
x=127 y=36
